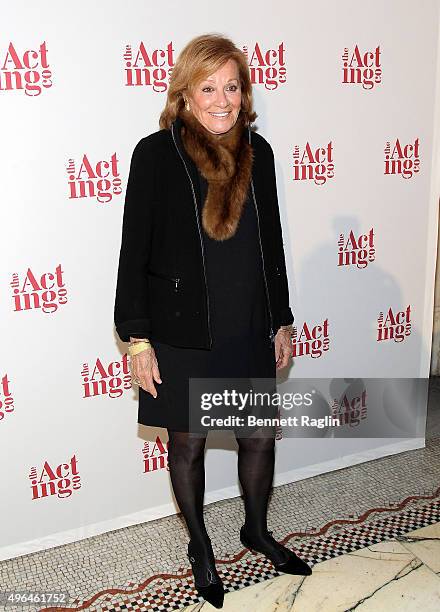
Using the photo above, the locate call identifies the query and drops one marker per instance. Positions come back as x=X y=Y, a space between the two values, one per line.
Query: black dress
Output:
x=238 y=321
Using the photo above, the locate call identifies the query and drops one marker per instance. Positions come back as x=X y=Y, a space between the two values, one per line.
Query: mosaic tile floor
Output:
x=374 y=537
x=399 y=574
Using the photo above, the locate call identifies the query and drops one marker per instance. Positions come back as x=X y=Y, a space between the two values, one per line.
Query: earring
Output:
x=187 y=106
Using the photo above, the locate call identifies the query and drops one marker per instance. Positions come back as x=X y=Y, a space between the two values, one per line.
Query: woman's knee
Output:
x=184 y=448
x=263 y=439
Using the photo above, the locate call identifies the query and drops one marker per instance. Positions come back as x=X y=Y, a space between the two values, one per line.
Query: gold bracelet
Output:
x=138 y=347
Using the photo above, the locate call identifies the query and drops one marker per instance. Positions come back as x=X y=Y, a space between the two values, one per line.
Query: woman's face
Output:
x=216 y=101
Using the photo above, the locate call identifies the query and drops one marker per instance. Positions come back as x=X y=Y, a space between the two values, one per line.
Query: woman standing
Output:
x=202 y=289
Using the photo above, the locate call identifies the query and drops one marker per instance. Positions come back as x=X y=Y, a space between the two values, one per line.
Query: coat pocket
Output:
x=165 y=298
x=166 y=277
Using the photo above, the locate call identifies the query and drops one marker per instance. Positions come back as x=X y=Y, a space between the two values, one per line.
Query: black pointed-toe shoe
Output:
x=292 y=565
x=209 y=584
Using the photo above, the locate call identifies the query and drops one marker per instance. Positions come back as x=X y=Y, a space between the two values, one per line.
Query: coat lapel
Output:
x=192 y=169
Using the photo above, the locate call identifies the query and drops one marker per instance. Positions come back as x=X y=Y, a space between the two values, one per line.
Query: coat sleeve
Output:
x=131 y=307
x=286 y=315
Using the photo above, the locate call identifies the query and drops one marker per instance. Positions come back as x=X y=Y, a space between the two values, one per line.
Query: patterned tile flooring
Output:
x=373 y=542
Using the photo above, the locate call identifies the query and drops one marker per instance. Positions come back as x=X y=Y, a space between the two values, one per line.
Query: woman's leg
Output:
x=256 y=462
x=186 y=461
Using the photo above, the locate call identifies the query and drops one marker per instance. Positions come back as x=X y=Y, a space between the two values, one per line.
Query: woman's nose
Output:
x=221 y=99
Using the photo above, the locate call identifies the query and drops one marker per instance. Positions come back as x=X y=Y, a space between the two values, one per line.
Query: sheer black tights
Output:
x=186 y=460
x=256 y=461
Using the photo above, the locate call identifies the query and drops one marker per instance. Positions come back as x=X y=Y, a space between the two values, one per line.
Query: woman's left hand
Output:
x=283 y=348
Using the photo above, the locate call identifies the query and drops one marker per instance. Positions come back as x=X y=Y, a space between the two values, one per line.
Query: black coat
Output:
x=161 y=290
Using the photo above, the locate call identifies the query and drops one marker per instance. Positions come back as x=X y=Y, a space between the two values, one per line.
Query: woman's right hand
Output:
x=145 y=369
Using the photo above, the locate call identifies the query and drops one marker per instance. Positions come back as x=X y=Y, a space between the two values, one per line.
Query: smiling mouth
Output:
x=220 y=115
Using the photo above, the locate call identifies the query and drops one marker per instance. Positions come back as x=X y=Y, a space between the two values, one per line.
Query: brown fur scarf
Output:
x=225 y=160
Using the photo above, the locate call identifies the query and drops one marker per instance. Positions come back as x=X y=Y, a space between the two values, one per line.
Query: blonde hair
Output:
x=200 y=58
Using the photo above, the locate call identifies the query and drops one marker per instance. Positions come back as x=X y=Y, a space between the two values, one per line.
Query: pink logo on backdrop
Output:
x=356 y=251
x=361 y=68
x=25 y=70
x=267 y=66
x=148 y=67
x=155 y=455
x=6 y=399
x=312 y=341
x=395 y=325
x=402 y=159
x=100 y=180
x=315 y=165
x=47 y=292
x=60 y=480
x=111 y=379
x=350 y=410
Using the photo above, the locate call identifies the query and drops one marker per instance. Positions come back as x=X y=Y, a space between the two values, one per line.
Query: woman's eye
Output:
x=230 y=88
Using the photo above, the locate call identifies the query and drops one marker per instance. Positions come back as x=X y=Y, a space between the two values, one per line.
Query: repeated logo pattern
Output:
x=96 y=178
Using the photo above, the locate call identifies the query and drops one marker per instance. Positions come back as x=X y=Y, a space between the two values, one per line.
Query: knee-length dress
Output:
x=238 y=321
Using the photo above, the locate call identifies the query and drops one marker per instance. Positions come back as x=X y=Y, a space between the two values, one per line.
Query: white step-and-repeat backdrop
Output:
x=346 y=96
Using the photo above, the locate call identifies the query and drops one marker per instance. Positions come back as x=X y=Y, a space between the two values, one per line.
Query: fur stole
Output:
x=225 y=160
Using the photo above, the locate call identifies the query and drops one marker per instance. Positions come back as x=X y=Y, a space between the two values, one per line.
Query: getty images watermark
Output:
x=242 y=402
x=306 y=407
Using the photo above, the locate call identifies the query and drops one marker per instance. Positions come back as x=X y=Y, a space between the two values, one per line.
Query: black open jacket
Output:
x=161 y=290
